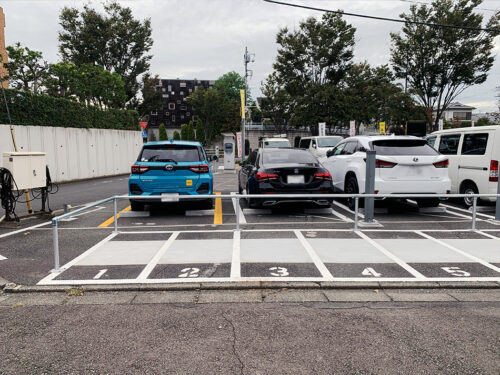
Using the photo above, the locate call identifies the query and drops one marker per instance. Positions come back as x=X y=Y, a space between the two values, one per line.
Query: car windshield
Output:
x=171 y=153
x=403 y=147
x=276 y=144
x=289 y=157
x=329 y=142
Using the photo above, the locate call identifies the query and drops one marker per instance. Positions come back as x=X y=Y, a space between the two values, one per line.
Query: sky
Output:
x=204 y=39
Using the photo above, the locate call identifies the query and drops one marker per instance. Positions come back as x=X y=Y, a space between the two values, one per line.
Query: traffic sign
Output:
x=143 y=125
x=381 y=127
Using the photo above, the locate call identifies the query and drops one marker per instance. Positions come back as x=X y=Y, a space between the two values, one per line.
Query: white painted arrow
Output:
x=370 y=272
x=2 y=258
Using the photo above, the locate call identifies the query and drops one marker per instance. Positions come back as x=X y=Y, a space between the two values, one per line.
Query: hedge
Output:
x=31 y=109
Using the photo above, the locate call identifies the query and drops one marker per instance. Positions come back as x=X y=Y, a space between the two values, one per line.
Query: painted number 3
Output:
x=190 y=272
x=279 y=271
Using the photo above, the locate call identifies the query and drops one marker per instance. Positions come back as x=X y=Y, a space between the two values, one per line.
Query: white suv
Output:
x=403 y=165
x=319 y=145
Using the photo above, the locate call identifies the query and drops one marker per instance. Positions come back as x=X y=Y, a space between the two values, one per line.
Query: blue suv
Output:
x=168 y=168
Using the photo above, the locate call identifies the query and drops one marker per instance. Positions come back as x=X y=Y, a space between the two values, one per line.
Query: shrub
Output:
x=177 y=136
x=163 y=132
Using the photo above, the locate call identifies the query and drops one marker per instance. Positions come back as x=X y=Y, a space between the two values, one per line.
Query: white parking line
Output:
x=154 y=261
x=390 y=255
x=2 y=257
x=472 y=257
x=235 y=261
x=44 y=224
x=343 y=217
x=238 y=210
x=77 y=259
x=348 y=209
x=488 y=235
x=469 y=212
x=315 y=258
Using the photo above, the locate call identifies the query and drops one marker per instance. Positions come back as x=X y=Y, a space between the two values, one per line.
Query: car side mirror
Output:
x=314 y=145
x=329 y=153
x=213 y=158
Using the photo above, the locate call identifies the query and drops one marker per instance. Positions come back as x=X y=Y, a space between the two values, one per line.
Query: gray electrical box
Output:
x=229 y=151
x=27 y=168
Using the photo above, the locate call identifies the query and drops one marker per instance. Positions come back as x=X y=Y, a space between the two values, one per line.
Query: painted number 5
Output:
x=279 y=271
x=455 y=271
x=190 y=272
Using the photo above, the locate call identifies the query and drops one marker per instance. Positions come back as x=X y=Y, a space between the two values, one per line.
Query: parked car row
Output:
x=451 y=161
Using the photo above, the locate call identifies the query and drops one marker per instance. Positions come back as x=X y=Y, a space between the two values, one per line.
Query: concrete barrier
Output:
x=75 y=154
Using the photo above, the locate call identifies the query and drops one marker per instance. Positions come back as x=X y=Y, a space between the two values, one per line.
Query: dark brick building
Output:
x=176 y=111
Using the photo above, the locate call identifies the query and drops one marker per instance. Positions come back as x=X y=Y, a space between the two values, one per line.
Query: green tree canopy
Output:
x=151 y=98
x=26 y=68
x=114 y=40
x=440 y=63
x=230 y=85
x=162 y=133
x=177 y=136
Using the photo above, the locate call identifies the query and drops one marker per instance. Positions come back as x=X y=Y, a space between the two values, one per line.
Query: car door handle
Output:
x=470 y=167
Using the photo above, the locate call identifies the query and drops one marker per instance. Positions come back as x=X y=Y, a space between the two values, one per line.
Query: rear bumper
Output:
x=267 y=191
x=204 y=186
x=411 y=187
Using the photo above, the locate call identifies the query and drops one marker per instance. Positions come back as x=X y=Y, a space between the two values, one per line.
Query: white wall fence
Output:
x=75 y=154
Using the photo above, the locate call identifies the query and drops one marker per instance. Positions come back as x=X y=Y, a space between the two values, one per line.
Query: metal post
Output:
x=474 y=204
x=55 y=238
x=238 y=213
x=497 y=211
x=356 y=207
x=115 y=215
x=370 y=186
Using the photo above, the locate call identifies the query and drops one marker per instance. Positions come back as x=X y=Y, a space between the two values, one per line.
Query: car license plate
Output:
x=296 y=179
x=170 y=197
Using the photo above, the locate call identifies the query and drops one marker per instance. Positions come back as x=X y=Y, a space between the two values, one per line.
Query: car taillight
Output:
x=442 y=164
x=265 y=176
x=138 y=169
x=384 y=164
x=494 y=171
x=323 y=176
x=203 y=168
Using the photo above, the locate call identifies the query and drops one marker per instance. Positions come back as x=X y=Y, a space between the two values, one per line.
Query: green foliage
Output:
x=26 y=68
x=31 y=109
x=151 y=98
x=483 y=121
x=163 y=132
x=230 y=85
x=152 y=138
x=184 y=132
x=200 y=132
x=89 y=83
x=114 y=40
x=177 y=136
x=255 y=112
x=438 y=62
x=190 y=132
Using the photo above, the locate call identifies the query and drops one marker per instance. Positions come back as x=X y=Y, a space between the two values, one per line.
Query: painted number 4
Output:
x=190 y=272
x=455 y=271
x=279 y=271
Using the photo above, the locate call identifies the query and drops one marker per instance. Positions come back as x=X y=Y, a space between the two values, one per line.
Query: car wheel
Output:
x=428 y=202
x=136 y=206
x=351 y=187
x=468 y=188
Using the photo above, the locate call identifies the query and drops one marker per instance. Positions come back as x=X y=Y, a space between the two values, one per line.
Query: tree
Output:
x=255 y=112
x=200 y=132
x=177 y=136
x=277 y=103
x=208 y=105
x=190 y=132
x=26 y=68
x=184 y=132
x=162 y=132
x=440 y=63
x=114 y=40
x=230 y=84
x=151 y=97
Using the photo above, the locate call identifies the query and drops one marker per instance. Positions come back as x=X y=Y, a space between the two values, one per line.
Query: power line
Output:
x=422 y=2
x=383 y=18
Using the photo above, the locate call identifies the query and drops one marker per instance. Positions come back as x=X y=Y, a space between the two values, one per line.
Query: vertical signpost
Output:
x=243 y=108
x=238 y=143
x=440 y=124
x=321 y=129
x=370 y=186
x=352 y=128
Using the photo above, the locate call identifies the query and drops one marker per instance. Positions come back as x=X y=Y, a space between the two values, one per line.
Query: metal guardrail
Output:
x=55 y=220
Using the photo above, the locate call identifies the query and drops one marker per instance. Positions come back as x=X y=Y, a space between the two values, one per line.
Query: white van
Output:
x=319 y=145
x=474 y=154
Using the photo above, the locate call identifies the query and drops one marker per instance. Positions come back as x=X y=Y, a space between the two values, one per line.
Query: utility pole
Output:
x=247 y=58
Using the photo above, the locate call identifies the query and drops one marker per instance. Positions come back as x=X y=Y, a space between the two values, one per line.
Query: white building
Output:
x=457 y=112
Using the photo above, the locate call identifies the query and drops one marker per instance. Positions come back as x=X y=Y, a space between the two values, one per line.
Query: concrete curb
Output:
x=326 y=285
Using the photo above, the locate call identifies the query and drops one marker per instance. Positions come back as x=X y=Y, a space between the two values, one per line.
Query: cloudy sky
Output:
x=206 y=38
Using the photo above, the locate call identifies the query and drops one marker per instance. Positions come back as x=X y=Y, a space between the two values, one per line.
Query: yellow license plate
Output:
x=189 y=182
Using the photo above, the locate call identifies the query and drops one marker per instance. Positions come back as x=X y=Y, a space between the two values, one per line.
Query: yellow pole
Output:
x=26 y=192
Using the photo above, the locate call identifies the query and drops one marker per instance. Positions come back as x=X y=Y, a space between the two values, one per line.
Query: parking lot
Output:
x=180 y=243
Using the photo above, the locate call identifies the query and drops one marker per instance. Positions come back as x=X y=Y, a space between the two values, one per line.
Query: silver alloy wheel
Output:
x=469 y=201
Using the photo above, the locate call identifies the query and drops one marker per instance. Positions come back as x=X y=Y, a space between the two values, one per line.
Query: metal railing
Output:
x=156 y=199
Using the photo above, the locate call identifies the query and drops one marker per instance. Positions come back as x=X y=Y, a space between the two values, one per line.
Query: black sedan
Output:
x=283 y=171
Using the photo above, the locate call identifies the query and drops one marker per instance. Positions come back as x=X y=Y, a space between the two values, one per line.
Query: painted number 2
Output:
x=279 y=271
x=455 y=271
x=190 y=272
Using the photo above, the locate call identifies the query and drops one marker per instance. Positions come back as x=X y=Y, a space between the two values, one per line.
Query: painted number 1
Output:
x=455 y=271
x=190 y=272
x=279 y=271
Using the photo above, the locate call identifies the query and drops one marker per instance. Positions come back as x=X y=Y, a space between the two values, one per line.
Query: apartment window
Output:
x=173 y=118
x=182 y=117
x=173 y=93
x=164 y=89
x=188 y=114
x=169 y=87
x=190 y=90
x=154 y=113
x=178 y=102
x=182 y=92
x=171 y=106
x=167 y=113
x=184 y=108
x=182 y=84
x=165 y=96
